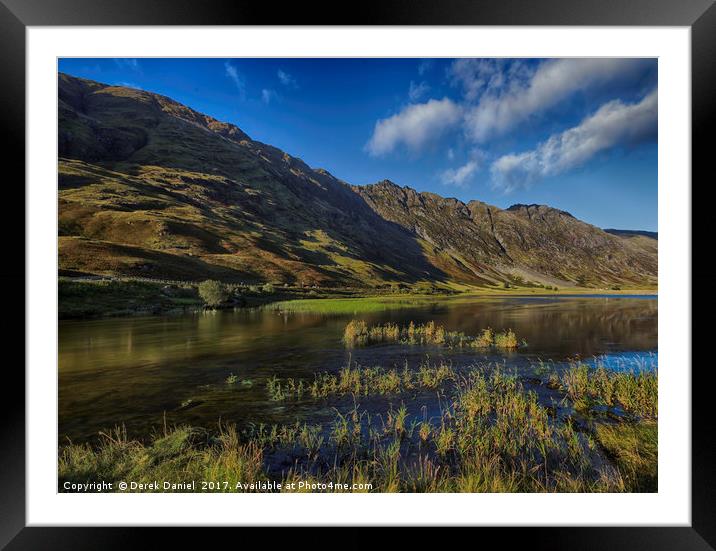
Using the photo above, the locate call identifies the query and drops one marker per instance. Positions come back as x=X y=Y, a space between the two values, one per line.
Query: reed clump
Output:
x=362 y=381
x=282 y=389
x=303 y=436
x=635 y=391
x=502 y=439
x=491 y=434
x=180 y=454
x=359 y=333
x=506 y=339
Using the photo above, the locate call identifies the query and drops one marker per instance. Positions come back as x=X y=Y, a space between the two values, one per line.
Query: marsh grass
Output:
x=282 y=389
x=506 y=339
x=182 y=453
x=301 y=436
x=491 y=435
x=359 y=333
x=361 y=381
x=634 y=391
x=499 y=438
x=634 y=449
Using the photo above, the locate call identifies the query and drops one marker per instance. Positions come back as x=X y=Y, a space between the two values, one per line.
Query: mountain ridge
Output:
x=151 y=187
x=632 y=233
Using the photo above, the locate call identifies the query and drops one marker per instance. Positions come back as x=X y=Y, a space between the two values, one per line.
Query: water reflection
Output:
x=131 y=370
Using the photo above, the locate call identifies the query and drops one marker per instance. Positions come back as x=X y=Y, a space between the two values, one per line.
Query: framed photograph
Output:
x=427 y=267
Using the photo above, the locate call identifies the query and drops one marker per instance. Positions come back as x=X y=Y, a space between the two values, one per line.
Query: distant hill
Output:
x=150 y=187
x=647 y=241
x=633 y=233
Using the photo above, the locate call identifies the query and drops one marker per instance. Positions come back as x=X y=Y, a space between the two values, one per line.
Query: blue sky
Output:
x=576 y=134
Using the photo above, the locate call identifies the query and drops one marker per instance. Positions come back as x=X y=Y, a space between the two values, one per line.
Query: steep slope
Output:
x=140 y=174
x=525 y=243
x=648 y=241
x=150 y=187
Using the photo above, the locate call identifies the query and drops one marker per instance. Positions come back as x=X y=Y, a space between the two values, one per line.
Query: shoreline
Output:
x=82 y=299
x=605 y=420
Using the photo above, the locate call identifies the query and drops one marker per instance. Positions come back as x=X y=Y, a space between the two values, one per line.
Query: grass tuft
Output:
x=361 y=381
x=358 y=333
x=634 y=448
x=636 y=391
x=492 y=435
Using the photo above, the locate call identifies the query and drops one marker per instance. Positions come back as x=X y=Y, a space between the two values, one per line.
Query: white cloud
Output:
x=462 y=175
x=233 y=73
x=425 y=66
x=459 y=176
x=417 y=90
x=286 y=79
x=487 y=76
x=268 y=95
x=508 y=94
x=614 y=123
x=127 y=63
x=415 y=126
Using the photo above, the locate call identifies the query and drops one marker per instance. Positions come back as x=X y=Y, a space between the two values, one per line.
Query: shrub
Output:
x=213 y=293
x=268 y=289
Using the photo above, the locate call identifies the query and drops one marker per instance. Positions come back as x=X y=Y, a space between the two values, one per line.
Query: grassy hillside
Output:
x=151 y=188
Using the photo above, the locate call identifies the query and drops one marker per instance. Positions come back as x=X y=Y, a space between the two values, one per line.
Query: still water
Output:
x=136 y=371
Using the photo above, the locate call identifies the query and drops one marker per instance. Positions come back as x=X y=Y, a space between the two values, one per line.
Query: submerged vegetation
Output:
x=359 y=333
x=491 y=434
x=635 y=391
x=361 y=381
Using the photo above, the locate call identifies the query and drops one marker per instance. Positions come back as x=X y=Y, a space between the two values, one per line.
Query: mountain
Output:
x=647 y=241
x=149 y=187
x=633 y=233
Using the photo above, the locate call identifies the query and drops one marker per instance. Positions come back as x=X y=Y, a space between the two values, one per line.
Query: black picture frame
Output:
x=17 y=15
